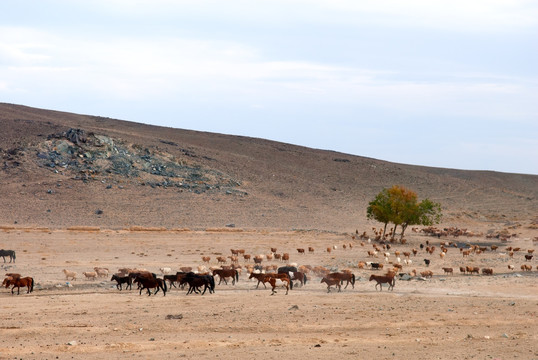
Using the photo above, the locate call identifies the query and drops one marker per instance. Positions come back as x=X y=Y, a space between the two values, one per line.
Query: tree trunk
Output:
x=394 y=231
x=404 y=226
x=385 y=229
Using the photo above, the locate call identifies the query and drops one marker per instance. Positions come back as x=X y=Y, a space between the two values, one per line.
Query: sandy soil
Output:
x=446 y=317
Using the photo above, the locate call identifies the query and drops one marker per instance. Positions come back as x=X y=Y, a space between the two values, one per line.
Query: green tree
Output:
x=400 y=206
x=380 y=209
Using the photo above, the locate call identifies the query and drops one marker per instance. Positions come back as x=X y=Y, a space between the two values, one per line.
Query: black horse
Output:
x=10 y=253
x=290 y=270
x=122 y=280
x=150 y=282
x=196 y=281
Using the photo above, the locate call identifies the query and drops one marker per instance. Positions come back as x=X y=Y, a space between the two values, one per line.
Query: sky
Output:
x=451 y=84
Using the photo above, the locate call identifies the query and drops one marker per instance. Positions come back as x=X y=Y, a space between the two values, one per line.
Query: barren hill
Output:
x=60 y=169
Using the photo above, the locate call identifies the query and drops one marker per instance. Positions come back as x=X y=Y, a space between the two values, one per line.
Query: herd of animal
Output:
x=203 y=277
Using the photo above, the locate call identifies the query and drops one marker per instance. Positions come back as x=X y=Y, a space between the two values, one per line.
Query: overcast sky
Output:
x=438 y=83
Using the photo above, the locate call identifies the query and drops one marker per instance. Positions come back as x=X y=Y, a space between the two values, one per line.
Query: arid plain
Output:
x=76 y=206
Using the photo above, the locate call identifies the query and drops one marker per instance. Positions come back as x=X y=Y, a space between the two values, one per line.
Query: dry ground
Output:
x=446 y=317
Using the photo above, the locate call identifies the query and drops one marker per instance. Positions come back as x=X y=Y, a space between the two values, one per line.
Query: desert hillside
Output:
x=62 y=169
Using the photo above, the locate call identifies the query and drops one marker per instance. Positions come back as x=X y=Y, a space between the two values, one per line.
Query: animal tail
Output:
x=14 y=257
x=304 y=278
x=236 y=275
x=31 y=284
x=165 y=288
x=212 y=282
x=352 y=279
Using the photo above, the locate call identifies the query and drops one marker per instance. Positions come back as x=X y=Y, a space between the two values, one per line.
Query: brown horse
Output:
x=260 y=277
x=383 y=279
x=344 y=276
x=279 y=282
x=332 y=282
x=226 y=273
x=18 y=283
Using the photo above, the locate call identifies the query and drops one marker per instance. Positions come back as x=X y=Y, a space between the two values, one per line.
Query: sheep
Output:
x=528 y=257
x=300 y=250
x=101 y=272
x=70 y=274
x=487 y=271
x=511 y=267
x=90 y=275
x=408 y=261
x=165 y=270
x=448 y=270
x=206 y=259
x=310 y=249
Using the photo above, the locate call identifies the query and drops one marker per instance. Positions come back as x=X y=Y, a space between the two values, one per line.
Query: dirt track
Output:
x=447 y=317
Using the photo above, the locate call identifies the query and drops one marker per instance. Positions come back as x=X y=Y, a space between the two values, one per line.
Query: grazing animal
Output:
x=285 y=257
x=151 y=282
x=101 y=272
x=332 y=282
x=383 y=279
x=221 y=259
x=279 y=282
x=376 y=266
x=448 y=270
x=226 y=273
x=260 y=277
x=311 y=249
x=472 y=270
x=165 y=270
x=511 y=267
x=299 y=276
x=70 y=274
x=344 y=276
x=300 y=251
x=18 y=283
x=528 y=257
x=273 y=250
x=526 y=267
x=487 y=271
x=13 y=275
x=427 y=262
x=90 y=275
x=206 y=259
x=463 y=269
x=10 y=253
x=122 y=280
x=426 y=274
x=195 y=281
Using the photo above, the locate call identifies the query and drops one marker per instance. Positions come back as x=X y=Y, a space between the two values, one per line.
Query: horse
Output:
x=260 y=277
x=299 y=276
x=226 y=273
x=174 y=278
x=18 y=282
x=10 y=253
x=195 y=281
x=280 y=282
x=342 y=276
x=150 y=282
x=122 y=280
x=330 y=282
x=383 y=279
